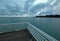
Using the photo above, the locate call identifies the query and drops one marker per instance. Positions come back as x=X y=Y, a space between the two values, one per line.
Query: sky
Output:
x=35 y=7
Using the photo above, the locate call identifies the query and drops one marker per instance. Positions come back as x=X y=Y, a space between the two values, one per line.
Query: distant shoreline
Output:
x=46 y=17
x=50 y=16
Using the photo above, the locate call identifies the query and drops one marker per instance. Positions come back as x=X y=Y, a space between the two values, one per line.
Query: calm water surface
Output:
x=48 y=25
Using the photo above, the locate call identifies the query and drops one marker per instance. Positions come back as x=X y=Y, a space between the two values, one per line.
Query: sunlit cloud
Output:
x=39 y=1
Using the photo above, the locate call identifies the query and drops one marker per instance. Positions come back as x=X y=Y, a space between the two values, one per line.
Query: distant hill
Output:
x=49 y=16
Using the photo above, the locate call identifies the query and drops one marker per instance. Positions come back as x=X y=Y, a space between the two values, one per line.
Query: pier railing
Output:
x=12 y=27
x=38 y=34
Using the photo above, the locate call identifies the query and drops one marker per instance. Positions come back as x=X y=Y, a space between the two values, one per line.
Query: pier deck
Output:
x=22 y=35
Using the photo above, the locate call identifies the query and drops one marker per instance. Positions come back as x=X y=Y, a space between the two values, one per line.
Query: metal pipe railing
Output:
x=38 y=34
x=12 y=27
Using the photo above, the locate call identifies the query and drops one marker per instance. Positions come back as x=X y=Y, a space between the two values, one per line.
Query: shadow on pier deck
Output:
x=23 y=35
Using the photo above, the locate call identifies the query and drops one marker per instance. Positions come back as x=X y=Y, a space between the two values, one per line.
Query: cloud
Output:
x=52 y=3
x=9 y=7
x=39 y=1
x=52 y=8
x=37 y=7
x=25 y=15
x=44 y=11
x=56 y=9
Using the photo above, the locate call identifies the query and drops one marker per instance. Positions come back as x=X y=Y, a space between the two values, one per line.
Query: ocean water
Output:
x=49 y=25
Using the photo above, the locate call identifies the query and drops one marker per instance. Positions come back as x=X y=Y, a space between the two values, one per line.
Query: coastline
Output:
x=47 y=16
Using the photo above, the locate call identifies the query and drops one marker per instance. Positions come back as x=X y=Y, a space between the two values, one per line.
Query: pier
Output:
x=23 y=32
